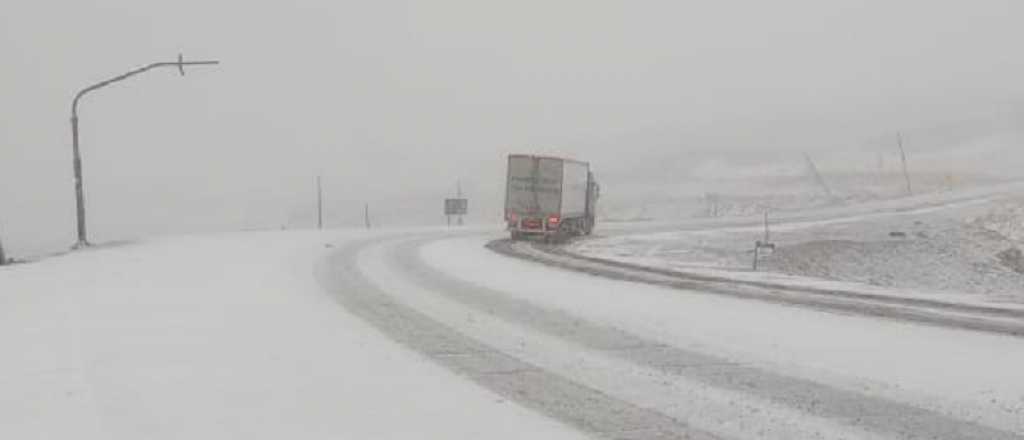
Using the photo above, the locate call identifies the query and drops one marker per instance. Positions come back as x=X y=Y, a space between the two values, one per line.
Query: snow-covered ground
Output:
x=735 y=193
x=965 y=243
x=219 y=337
x=427 y=334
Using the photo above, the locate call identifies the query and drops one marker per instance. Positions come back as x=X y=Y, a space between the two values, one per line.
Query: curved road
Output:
x=619 y=359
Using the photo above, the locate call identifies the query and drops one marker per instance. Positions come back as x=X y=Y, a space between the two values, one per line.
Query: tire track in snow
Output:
x=585 y=408
x=872 y=414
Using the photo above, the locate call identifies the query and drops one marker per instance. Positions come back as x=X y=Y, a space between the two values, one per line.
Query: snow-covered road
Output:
x=428 y=334
x=717 y=366
x=219 y=337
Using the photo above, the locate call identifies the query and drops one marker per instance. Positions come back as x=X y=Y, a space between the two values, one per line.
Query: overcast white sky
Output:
x=392 y=101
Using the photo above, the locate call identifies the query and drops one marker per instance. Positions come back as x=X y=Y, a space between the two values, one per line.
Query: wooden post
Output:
x=366 y=215
x=757 y=248
x=903 y=157
x=3 y=257
x=766 y=237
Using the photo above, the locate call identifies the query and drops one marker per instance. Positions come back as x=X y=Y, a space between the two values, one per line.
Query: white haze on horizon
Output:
x=393 y=101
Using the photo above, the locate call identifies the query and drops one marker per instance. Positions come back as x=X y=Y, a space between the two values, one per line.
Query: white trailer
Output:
x=549 y=196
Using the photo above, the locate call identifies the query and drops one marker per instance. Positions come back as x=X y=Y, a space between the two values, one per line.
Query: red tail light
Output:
x=512 y=217
x=554 y=220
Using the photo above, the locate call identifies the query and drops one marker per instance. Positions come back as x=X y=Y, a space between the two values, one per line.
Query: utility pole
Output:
x=366 y=215
x=319 y=204
x=817 y=175
x=903 y=157
x=77 y=159
x=3 y=257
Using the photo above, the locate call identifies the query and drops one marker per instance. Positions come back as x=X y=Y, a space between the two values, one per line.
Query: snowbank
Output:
x=964 y=246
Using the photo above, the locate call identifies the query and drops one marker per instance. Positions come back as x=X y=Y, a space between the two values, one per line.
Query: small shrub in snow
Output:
x=1007 y=220
x=1013 y=259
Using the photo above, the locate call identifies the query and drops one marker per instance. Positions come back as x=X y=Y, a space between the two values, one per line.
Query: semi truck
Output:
x=549 y=197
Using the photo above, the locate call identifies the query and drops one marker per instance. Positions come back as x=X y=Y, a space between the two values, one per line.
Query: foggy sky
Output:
x=393 y=101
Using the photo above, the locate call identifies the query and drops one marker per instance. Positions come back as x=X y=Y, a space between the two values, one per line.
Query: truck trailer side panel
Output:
x=575 y=177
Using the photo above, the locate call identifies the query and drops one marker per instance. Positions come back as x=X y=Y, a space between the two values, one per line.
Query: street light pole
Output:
x=79 y=196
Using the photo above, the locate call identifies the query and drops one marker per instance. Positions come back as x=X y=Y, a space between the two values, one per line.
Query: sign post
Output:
x=455 y=207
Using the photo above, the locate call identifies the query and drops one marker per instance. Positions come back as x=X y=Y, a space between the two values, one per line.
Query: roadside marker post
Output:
x=763 y=244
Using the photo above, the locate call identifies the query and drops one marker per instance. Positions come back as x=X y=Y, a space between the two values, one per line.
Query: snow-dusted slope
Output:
x=219 y=337
x=963 y=244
